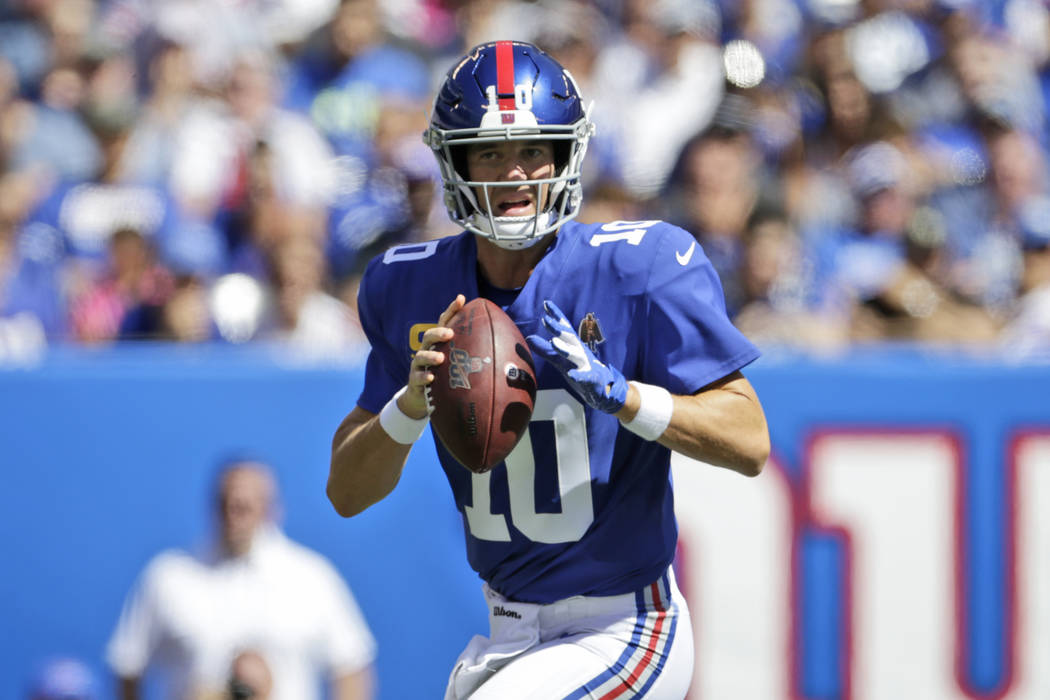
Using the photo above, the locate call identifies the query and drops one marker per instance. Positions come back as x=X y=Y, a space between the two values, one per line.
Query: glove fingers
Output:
x=545 y=349
x=563 y=347
x=582 y=376
x=551 y=324
x=573 y=351
x=557 y=318
x=555 y=347
x=552 y=309
x=541 y=346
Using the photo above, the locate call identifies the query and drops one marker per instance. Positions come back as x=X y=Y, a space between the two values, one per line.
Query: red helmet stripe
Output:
x=505 y=74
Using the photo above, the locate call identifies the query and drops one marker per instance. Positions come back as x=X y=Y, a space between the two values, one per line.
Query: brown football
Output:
x=483 y=393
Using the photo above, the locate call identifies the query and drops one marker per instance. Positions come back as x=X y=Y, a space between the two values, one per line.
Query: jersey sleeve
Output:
x=382 y=377
x=690 y=340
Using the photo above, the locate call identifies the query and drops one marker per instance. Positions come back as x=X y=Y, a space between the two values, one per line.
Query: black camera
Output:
x=241 y=691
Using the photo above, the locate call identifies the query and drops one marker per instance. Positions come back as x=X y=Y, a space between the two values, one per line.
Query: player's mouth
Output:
x=518 y=205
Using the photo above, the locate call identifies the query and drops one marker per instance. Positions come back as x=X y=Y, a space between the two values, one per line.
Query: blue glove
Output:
x=601 y=386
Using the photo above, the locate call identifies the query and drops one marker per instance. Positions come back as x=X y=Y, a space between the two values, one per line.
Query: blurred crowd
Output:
x=222 y=170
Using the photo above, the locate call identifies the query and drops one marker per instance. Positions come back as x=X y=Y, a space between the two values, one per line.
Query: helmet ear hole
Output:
x=562 y=149
x=459 y=161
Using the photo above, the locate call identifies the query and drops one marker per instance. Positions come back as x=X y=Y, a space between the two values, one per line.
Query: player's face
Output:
x=510 y=162
x=245 y=497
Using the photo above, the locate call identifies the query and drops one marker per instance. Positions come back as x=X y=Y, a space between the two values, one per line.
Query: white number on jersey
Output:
x=630 y=231
x=412 y=251
x=574 y=475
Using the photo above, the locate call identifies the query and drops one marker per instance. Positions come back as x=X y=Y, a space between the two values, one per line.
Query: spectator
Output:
x=663 y=69
x=180 y=311
x=185 y=317
x=779 y=305
x=254 y=589
x=29 y=295
x=343 y=79
x=24 y=42
x=368 y=96
x=983 y=218
x=395 y=203
x=171 y=96
x=132 y=278
x=205 y=123
x=608 y=200
x=51 y=134
x=1027 y=333
x=886 y=268
x=217 y=145
x=714 y=188
x=31 y=301
x=213 y=32
x=75 y=221
x=307 y=318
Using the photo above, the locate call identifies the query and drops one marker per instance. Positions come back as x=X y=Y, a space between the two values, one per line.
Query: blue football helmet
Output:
x=513 y=91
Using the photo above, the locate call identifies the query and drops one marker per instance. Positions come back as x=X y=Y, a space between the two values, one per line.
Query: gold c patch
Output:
x=415 y=335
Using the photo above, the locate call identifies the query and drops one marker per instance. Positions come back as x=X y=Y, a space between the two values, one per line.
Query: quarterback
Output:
x=574 y=534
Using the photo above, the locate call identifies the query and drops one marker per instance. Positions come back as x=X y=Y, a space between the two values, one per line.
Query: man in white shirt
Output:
x=257 y=590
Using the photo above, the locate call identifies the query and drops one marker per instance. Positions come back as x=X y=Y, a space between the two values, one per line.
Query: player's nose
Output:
x=515 y=170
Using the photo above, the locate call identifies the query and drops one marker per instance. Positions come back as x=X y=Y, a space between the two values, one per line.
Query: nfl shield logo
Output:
x=507 y=117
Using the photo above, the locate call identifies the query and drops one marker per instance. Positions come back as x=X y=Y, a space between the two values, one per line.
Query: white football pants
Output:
x=603 y=647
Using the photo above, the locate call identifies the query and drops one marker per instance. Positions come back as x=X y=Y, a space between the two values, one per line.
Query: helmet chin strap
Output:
x=513 y=232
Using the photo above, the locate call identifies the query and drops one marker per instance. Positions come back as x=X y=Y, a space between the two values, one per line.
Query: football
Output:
x=482 y=395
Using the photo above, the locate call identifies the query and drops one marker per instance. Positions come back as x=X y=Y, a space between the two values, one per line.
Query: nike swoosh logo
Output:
x=684 y=259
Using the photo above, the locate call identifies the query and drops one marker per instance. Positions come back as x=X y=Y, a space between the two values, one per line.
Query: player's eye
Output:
x=538 y=153
x=486 y=156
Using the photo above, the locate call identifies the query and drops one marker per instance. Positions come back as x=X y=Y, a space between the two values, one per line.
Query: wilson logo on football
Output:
x=460 y=366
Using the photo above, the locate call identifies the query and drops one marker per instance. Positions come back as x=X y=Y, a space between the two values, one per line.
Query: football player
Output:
x=574 y=534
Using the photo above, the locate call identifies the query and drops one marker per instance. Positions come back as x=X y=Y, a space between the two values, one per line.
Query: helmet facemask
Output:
x=558 y=198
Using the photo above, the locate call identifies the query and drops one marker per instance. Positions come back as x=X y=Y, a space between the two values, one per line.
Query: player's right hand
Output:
x=414 y=403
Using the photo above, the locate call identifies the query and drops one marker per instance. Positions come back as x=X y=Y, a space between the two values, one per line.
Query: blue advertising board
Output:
x=894 y=541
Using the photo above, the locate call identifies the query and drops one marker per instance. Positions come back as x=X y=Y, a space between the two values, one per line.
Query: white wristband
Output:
x=398 y=426
x=654 y=411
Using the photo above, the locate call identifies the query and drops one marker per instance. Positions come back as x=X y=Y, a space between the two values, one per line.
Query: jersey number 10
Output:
x=574 y=476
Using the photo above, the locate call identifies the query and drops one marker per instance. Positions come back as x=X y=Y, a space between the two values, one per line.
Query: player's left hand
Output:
x=601 y=386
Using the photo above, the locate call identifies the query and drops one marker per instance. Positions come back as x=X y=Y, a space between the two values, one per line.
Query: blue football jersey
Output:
x=581 y=506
